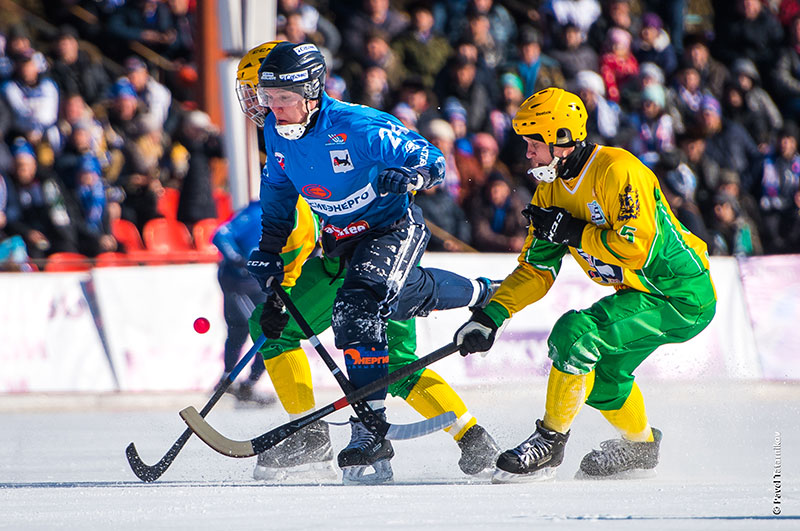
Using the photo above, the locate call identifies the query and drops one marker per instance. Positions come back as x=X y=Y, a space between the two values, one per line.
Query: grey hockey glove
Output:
x=273 y=317
x=265 y=267
x=555 y=225
x=399 y=181
x=476 y=335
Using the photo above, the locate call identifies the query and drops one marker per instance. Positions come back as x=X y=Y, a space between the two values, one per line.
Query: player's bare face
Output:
x=288 y=107
x=538 y=153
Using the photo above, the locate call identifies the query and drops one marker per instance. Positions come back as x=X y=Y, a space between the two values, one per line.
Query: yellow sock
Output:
x=291 y=376
x=566 y=393
x=432 y=396
x=631 y=418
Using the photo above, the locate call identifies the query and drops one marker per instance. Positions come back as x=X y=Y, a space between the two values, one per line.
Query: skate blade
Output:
x=354 y=475
x=307 y=473
x=637 y=473
x=541 y=475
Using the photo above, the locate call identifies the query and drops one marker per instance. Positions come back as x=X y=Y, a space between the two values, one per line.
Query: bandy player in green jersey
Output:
x=605 y=208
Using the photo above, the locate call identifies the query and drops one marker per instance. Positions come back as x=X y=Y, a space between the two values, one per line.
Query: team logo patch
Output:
x=628 y=204
x=601 y=271
x=352 y=203
x=316 y=191
x=305 y=48
x=281 y=160
x=294 y=76
x=352 y=229
x=358 y=359
x=340 y=158
x=598 y=217
x=334 y=140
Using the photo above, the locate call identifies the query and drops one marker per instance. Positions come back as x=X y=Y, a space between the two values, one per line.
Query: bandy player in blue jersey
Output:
x=355 y=166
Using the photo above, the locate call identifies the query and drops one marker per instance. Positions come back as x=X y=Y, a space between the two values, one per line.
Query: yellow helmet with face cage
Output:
x=247 y=81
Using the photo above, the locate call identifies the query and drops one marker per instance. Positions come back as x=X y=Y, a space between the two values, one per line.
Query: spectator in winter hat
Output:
x=156 y=97
x=537 y=70
x=602 y=124
x=757 y=102
x=712 y=72
x=653 y=131
x=728 y=143
x=779 y=186
x=733 y=233
x=654 y=45
x=618 y=66
x=573 y=54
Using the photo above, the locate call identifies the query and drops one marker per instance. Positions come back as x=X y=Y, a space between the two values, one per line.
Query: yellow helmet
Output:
x=557 y=116
x=247 y=81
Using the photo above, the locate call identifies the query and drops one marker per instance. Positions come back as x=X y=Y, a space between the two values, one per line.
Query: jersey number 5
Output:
x=627 y=232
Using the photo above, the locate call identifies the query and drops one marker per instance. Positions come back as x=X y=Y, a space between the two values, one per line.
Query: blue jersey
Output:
x=334 y=167
x=236 y=238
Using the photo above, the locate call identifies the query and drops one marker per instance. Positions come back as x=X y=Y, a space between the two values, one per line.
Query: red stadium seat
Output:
x=163 y=235
x=67 y=262
x=224 y=204
x=168 y=203
x=202 y=232
x=127 y=234
x=113 y=260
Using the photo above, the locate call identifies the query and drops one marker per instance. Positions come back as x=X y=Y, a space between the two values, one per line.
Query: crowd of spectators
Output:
x=90 y=132
x=705 y=92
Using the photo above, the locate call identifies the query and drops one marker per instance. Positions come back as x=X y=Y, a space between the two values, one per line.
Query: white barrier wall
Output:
x=140 y=337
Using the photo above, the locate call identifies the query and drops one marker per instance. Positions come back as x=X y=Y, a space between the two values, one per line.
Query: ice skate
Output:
x=246 y=395
x=366 y=449
x=488 y=287
x=535 y=459
x=304 y=456
x=478 y=451
x=621 y=459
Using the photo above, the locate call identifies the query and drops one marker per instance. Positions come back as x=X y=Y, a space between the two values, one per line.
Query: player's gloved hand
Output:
x=555 y=225
x=273 y=318
x=399 y=181
x=265 y=267
x=476 y=335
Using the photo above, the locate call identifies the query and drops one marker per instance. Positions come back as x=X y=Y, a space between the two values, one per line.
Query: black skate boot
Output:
x=304 y=456
x=366 y=449
x=488 y=287
x=535 y=459
x=478 y=451
x=621 y=458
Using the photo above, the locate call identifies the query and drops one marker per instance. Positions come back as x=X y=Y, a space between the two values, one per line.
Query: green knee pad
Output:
x=402 y=337
x=572 y=344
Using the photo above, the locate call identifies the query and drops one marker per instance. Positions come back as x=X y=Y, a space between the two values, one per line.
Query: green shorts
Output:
x=313 y=294
x=617 y=333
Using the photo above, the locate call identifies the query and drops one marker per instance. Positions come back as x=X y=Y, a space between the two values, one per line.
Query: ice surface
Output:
x=62 y=466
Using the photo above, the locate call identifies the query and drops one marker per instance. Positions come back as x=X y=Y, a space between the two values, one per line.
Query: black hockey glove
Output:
x=273 y=317
x=476 y=335
x=399 y=181
x=555 y=225
x=265 y=267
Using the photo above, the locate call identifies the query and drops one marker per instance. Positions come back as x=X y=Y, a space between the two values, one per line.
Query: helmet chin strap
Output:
x=295 y=131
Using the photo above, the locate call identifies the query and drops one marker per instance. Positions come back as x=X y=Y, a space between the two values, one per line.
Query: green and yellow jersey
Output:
x=300 y=244
x=632 y=240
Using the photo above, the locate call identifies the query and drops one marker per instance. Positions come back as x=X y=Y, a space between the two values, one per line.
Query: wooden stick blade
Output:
x=213 y=438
